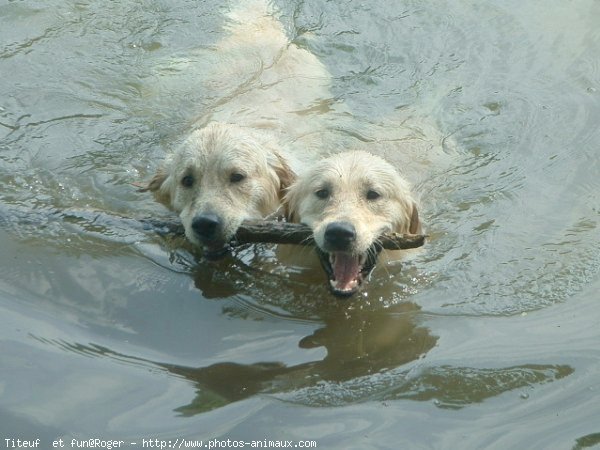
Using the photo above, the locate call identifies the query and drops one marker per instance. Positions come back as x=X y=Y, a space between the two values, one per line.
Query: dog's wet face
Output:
x=349 y=200
x=219 y=177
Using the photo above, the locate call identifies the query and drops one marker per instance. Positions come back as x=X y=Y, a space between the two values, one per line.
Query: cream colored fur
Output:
x=349 y=177
x=267 y=83
x=210 y=156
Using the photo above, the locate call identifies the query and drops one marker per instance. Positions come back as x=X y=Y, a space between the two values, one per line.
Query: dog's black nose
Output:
x=206 y=226
x=340 y=235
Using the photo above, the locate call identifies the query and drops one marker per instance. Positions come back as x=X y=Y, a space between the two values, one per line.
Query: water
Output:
x=485 y=339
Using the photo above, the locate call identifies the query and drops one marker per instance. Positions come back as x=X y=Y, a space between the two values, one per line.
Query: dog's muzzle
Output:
x=208 y=228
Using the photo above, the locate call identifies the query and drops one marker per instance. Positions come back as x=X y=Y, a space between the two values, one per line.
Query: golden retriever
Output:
x=221 y=175
x=237 y=166
x=348 y=200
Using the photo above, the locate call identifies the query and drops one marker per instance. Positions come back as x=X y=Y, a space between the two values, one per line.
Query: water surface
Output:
x=488 y=338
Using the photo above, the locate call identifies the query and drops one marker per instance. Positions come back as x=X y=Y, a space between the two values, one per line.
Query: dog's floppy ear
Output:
x=290 y=203
x=156 y=182
x=158 y=187
x=415 y=222
x=286 y=176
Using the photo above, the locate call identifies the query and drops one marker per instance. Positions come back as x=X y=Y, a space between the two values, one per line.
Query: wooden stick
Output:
x=250 y=232
x=299 y=234
x=277 y=232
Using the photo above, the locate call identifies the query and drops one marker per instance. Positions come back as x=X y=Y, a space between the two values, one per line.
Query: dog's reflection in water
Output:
x=357 y=344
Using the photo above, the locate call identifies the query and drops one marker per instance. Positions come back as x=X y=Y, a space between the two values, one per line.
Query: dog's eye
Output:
x=187 y=181
x=322 y=193
x=236 y=177
x=373 y=195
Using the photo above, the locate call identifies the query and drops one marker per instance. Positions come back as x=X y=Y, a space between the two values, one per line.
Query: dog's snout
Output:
x=207 y=226
x=340 y=235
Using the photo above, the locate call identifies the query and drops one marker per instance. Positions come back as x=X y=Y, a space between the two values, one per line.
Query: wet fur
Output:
x=210 y=156
x=247 y=133
x=349 y=177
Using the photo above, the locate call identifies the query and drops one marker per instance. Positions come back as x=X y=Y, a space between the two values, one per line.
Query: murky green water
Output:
x=488 y=338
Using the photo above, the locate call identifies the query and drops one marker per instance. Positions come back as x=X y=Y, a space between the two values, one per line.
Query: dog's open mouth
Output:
x=346 y=271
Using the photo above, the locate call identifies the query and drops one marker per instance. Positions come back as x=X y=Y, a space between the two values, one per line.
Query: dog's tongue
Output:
x=345 y=270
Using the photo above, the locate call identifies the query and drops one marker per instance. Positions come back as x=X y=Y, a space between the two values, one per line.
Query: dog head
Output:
x=220 y=176
x=349 y=200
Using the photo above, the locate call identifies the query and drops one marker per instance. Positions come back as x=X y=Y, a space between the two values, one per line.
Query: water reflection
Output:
x=588 y=441
x=357 y=344
x=369 y=356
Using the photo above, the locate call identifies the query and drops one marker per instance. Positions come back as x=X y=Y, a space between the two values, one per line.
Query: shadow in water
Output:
x=588 y=441
x=357 y=344
x=370 y=356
